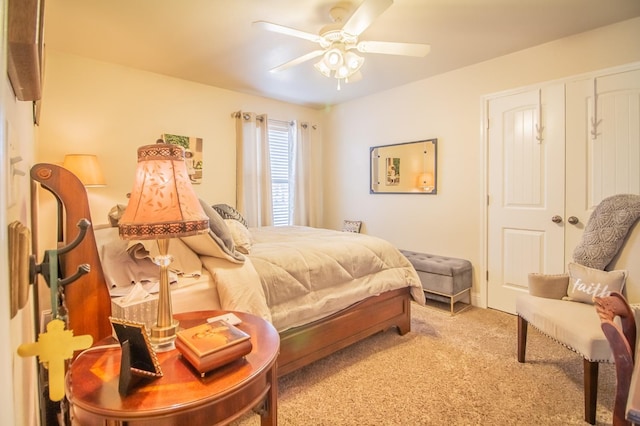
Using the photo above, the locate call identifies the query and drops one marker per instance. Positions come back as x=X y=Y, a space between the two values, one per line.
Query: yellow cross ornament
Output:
x=53 y=348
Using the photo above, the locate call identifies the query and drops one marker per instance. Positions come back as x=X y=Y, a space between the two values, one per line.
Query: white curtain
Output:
x=253 y=169
x=307 y=190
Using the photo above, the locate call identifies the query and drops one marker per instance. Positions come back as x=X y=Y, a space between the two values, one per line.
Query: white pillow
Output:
x=122 y=270
x=105 y=234
x=185 y=261
x=585 y=283
x=241 y=235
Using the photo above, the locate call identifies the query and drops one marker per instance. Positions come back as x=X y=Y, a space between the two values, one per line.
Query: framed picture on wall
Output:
x=393 y=171
x=192 y=154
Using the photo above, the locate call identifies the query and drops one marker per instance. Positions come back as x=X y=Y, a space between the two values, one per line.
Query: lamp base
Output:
x=163 y=338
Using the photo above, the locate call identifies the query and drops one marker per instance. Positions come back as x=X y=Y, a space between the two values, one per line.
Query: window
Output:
x=280 y=152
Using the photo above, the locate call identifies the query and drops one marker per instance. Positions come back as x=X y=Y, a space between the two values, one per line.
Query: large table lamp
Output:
x=162 y=205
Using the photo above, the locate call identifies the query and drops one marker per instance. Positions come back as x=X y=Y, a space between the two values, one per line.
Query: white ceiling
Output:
x=213 y=41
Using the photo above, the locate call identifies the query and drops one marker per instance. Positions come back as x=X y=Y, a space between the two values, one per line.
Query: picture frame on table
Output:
x=138 y=356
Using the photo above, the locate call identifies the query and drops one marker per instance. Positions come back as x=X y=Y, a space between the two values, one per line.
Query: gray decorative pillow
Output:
x=351 y=226
x=228 y=212
x=116 y=213
x=218 y=227
x=606 y=230
x=218 y=242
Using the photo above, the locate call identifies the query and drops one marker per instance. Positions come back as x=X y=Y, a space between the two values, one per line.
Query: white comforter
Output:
x=295 y=275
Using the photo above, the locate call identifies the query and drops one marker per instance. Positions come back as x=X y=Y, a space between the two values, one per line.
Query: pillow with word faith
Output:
x=586 y=283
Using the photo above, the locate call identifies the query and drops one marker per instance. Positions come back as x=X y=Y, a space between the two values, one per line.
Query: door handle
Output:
x=556 y=219
x=573 y=220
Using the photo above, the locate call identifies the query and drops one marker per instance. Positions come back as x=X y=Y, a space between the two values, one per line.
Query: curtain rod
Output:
x=246 y=116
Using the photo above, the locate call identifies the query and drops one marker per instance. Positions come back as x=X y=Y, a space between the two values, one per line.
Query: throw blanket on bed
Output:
x=606 y=230
x=308 y=273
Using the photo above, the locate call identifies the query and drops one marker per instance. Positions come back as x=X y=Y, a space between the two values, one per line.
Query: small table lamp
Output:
x=162 y=205
x=426 y=182
x=86 y=168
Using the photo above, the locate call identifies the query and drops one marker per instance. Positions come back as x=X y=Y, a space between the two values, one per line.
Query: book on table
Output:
x=212 y=345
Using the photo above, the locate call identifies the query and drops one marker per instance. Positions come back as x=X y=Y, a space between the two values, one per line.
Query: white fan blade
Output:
x=298 y=60
x=287 y=31
x=392 y=48
x=364 y=15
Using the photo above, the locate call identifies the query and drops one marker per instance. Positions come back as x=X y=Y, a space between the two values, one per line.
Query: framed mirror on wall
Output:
x=404 y=168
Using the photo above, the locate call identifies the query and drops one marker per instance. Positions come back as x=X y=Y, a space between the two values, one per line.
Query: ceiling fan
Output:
x=339 y=42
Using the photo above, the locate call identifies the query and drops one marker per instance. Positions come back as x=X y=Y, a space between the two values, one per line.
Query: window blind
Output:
x=280 y=152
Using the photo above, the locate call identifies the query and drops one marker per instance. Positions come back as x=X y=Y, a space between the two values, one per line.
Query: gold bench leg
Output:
x=452 y=301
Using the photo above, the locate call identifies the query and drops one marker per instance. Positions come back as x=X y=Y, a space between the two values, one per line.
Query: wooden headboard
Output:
x=87 y=299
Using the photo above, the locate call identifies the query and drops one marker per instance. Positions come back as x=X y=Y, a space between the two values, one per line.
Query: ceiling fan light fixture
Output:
x=340 y=40
x=322 y=68
x=339 y=64
x=333 y=59
x=354 y=62
x=342 y=72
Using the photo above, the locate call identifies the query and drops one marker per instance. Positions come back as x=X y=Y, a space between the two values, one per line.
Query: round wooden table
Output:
x=181 y=396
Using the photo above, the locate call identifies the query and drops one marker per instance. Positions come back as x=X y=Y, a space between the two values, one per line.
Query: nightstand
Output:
x=180 y=396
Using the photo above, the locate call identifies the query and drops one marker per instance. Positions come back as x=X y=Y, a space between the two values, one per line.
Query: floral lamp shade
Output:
x=163 y=203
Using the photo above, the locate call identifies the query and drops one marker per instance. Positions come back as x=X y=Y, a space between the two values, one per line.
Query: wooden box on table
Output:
x=213 y=344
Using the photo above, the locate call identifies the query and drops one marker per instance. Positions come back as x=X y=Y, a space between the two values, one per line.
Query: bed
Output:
x=337 y=312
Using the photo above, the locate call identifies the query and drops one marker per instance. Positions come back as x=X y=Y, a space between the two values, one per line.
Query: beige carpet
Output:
x=459 y=370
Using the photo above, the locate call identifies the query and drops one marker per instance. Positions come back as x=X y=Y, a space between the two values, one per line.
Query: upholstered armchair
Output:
x=561 y=306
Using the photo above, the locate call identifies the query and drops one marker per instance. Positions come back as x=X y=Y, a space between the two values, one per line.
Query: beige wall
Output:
x=20 y=138
x=109 y=110
x=447 y=107
x=17 y=141
x=18 y=394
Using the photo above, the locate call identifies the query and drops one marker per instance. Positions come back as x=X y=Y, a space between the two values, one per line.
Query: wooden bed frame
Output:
x=89 y=306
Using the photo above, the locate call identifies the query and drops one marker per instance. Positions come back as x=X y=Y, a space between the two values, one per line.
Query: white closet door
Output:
x=526 y=191
x=603 y=145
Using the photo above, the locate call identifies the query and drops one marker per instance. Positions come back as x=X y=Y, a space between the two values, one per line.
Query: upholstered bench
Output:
x=444 y=279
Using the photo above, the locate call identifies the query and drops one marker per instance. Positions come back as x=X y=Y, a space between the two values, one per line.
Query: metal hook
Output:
x=83 y=224
x=83 y=269
x=44 y=267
